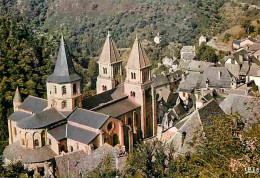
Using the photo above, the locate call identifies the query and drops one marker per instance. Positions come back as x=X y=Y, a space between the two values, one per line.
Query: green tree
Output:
x=206 y=53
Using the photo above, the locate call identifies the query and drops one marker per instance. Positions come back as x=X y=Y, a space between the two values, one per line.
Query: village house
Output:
x=188 y=53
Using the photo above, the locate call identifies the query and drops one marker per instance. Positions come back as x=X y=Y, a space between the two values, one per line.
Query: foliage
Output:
x=206 y=53
x=24 y=63
x=225 y=150
x=105 y=169
x=12 y=170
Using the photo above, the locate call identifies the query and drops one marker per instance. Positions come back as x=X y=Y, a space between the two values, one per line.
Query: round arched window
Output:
x=109 y=126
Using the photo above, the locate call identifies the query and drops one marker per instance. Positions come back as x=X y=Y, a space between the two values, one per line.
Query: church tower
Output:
x=110 y=67
x=63 y=85
x=138 y=85
x=17 y=101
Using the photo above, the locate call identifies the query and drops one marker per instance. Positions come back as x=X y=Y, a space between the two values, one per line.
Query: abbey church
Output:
x=120 y=114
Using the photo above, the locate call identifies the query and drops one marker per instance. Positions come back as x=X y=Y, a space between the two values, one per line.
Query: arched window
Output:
x=129 y=121
x=63 y=104
x=134 y=76
x=74 y=89
x=64 y=90
x=55 y=89
x=133 y=94
x=71 y=148
x=54 y=103
x=115 y=140
x=36 y=142
x=104 y=88
x=15 y=132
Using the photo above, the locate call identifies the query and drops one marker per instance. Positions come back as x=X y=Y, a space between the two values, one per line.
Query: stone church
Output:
x=120 y=114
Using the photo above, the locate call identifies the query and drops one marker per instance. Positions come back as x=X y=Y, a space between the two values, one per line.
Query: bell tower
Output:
x=110 y=67
x=63 y=85
x=138 y=85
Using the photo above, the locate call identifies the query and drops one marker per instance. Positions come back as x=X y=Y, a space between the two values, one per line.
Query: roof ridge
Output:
x=37 y=97
x=93 y=112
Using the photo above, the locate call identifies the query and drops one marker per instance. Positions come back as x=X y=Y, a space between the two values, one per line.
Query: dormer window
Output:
x=64 y=90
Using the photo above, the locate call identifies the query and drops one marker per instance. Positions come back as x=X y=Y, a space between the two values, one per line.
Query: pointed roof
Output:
x=138 y=58
x=64 y=71
x=17 y=96
x=109 y=54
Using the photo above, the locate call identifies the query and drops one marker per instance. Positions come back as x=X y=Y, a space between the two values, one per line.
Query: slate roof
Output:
x=14 y=151
x=64 y=71
x=159 y=80
x=187 y=49
x=240 y=104
x=211 y=74
x=109 y=54
x=254 y=70
x=41 y=120
x=191 y=83
x=18 y=115
x=105 y=97
x=59 y=132
x=198 y=66
x=98 y=156
x=234 y=69
x=17 y=96
x=88 y=118
x=118 y=108
x=72 y=161
x=209 y=111
x=237 y=42
x=33 y=104
x=138 y=58
x=80 y=135
x=188 y=56
x=245 y=68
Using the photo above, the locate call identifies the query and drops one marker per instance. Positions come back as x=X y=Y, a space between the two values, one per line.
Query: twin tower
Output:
x=111 y=72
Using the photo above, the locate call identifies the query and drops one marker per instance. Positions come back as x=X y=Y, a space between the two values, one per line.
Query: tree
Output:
x=14 y=169
x=206 y=53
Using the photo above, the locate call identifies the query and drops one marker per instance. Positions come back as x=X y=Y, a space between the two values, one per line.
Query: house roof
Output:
x=80 y=135
x=17 y=96
x=238 y=103
x=118 y=108
x=109 y=54
x=88 y=118
x=59 y=132
x=138 y=58
x=105 y=97
x=237 y=42
x=209 y=110
x=198 y=66
x=15 y=151
x=234 y=69
x=188 y=49
x=188 y=56
x=33 y=104
x=191 y=83
x=64 y=71
x=254 y=70
x=218 y=77
x=41 y=120
x=18 y=115
x=159 y=80
x=245 y=68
